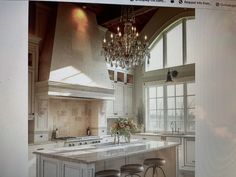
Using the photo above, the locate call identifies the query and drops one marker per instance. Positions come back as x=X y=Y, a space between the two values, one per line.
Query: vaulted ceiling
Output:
x=108 y=16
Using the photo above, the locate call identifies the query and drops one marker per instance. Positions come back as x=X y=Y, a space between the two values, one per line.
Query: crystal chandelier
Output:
x=125 y=49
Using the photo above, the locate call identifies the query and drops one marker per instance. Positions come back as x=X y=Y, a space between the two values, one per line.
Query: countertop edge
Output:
x=76 y=160
x=167 y=135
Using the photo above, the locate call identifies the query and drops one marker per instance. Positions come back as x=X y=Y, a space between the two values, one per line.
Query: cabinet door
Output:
x=109 y=108
x=119 y=100
x=128 y=97
x=30 y=94
x=189 y=148
x=49 y=167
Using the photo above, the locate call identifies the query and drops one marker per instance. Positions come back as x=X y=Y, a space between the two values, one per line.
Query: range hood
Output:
x=77 y=68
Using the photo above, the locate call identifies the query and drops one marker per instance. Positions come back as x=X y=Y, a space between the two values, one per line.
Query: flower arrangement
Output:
x=123 y=127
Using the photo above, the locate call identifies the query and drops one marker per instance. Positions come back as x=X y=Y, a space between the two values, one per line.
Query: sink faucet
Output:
x=174 y=127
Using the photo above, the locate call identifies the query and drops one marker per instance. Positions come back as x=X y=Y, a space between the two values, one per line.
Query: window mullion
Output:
x=156 y=109
x=147 y=110
x=175 y=109
x=165 y=106
x=185 y=107
x=164 y=50
x=184 y=30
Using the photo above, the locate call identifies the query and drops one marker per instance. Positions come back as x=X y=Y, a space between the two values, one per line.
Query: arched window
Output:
x=171 y=107
x=173 y=46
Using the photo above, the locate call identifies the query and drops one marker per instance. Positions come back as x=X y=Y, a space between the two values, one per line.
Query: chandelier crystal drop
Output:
x=125 y=49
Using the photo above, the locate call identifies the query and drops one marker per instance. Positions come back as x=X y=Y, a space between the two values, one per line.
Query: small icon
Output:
x=217 y=4
x=172 y=1
x=181 y=1
x=131 y=0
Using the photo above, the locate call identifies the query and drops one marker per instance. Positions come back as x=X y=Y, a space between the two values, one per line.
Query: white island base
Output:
x=85 y=161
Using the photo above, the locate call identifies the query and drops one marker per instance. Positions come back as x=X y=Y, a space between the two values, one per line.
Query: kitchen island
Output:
x=84 y=161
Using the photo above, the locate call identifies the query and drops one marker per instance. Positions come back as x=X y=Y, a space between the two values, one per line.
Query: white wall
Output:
x=13 y=88
x=216 y=93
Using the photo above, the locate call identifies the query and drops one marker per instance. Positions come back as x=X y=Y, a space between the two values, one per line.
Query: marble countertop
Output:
x=46 y=142
x=178 y=135
x=94 y=153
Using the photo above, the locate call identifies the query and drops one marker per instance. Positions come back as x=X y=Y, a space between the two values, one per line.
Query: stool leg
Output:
x=137 y=175
x=162 y=171
x=146 y=171
x=153 y=171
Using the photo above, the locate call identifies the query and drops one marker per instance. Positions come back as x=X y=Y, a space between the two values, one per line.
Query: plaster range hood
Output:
x=77 y=68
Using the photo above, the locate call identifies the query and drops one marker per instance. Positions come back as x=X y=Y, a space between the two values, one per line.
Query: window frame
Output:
x=165 y=106
x=163 y=35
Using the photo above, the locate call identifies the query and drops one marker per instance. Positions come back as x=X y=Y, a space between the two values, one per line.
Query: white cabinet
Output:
x=32 y=156
x=50 y=167
x=33 y=53
x=186 y=149
x=30 y=94
x=122 y=106
x=110 y=108
x=119 y=99
x=128 y=98
x=189 y=152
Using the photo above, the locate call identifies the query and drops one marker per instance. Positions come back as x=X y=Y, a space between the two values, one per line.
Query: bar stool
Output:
x=108 y=173
x=154 y=164
x=131 y=169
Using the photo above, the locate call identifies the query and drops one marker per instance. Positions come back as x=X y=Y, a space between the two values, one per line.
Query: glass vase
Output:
x=127 y=138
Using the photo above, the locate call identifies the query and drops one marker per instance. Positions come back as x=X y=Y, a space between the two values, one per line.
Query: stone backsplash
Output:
x=71 y=117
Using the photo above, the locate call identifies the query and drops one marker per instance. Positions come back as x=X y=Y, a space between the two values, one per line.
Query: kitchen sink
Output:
x=111 y=144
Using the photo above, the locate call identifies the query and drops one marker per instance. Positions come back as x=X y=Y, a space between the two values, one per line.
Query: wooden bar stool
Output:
x=108 y=173
x=131 y=170
x=154 y=164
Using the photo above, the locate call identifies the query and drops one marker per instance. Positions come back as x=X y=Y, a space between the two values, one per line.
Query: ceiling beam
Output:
x=137 y=12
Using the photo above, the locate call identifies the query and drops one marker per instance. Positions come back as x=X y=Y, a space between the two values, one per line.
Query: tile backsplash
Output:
x=71 y=117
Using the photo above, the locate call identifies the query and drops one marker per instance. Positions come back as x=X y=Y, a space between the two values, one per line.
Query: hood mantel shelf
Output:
x=59 y=89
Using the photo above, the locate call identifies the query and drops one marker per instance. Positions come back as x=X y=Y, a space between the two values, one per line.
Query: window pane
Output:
x=191 y=101
x=175 y=46
x=170 y=90
x=180 y=90
x=180 y=126
x=156 y=57
x=191 y=126
x=152 y=92
x=152 y=104
x=160 y=103
x=191 y=120
x=160 y=91
x=191 y=88
x=171 y=115
x=180 y=115
x=179 y=102
x=160 y=120
x=152 y=121
x=152 y=116
x=170 y=120
x=170 y=103
x=191 y=114
x=191 y=38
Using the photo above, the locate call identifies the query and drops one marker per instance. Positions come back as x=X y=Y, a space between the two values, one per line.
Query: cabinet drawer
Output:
x=41 y=137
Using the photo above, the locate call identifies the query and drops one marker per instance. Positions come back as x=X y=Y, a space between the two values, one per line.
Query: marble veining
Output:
x=94 y=153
